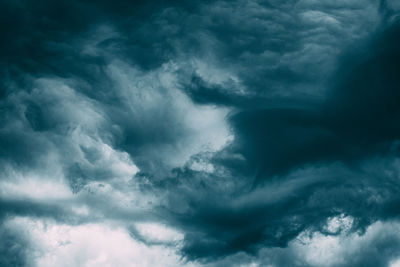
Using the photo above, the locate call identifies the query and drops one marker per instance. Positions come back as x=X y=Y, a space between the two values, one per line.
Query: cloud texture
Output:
x=199 y=133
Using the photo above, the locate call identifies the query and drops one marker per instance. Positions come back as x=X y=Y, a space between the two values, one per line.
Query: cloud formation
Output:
x=209 y=133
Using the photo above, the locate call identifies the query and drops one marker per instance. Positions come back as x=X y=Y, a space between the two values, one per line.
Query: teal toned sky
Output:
x=200 y=133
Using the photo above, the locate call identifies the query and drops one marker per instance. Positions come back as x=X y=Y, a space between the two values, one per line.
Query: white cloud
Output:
x=339 y=223
x=34 y=187
x=156 y=232
x=155 y=102
x=89 y=245
x=317 y=249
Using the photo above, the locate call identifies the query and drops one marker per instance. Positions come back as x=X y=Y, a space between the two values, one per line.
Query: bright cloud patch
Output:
x=52 y=244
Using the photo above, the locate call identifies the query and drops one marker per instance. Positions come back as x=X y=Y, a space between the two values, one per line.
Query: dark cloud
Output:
x=359 y=118
x=356 y=125
x=13 y=248
x=244 y=125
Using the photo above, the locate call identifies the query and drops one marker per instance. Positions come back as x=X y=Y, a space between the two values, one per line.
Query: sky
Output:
x=244 y=133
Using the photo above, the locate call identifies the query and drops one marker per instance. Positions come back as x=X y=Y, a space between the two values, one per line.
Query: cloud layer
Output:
x=209 y=133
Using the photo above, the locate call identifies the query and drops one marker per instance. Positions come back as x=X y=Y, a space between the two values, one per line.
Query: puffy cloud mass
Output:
x=200 y=133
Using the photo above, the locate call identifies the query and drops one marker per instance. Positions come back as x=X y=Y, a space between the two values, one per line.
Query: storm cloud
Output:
x=199 y=133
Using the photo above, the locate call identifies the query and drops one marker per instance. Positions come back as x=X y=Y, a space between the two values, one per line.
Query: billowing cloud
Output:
x=209 y=133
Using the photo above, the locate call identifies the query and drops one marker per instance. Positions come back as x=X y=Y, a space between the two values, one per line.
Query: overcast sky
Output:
x=200 y=133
